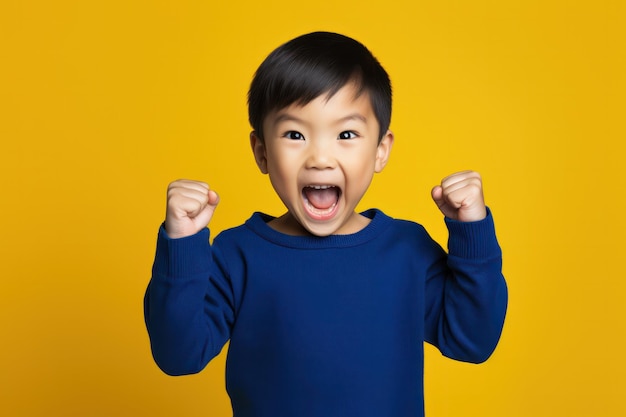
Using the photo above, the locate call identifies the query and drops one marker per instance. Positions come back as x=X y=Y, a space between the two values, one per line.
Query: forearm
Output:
x=184 y=333
x=474 y=295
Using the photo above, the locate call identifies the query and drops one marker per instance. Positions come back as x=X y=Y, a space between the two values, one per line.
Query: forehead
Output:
x=349 y=102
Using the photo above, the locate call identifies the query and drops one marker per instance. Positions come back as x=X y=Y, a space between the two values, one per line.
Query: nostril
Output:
x=320 y=160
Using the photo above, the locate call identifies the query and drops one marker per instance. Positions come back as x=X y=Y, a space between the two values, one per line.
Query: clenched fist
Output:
x=190 y=207
x=460 y=197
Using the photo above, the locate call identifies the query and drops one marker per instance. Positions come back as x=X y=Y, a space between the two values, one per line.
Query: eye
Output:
x=293 y=135
x=348 y=134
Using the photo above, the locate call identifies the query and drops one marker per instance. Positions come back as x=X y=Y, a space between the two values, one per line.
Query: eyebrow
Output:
x=286 y=117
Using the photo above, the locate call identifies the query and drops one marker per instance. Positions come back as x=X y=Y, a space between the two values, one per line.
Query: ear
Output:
x=258 y=149
x=383 y=151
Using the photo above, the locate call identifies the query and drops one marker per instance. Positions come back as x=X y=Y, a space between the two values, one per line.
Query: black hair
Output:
x=317 y=63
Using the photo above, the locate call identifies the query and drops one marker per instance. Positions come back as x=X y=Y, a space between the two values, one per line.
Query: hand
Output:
x=460 y=197
x=190 y=207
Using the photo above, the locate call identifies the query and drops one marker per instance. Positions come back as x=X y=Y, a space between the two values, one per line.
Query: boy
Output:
x=326 y=309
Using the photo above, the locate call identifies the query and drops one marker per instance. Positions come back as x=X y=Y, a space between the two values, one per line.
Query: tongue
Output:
x=321 y=198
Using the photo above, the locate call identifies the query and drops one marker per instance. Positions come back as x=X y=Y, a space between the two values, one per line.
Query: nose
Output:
x=320 y=155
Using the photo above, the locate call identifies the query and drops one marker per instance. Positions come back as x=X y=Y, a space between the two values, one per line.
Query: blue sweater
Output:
x=325 y=326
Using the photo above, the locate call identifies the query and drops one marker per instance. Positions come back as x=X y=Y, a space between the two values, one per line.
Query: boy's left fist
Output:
x=460 y=197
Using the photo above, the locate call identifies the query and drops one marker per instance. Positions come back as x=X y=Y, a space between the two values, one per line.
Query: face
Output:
x=321 y=158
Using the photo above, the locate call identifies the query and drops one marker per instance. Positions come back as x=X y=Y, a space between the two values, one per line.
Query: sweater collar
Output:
x=379 y=222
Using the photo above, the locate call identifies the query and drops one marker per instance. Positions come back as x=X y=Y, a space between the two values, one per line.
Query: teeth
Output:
x=320 y=187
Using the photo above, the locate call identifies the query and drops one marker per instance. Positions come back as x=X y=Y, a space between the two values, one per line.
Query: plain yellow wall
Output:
x=102 y=103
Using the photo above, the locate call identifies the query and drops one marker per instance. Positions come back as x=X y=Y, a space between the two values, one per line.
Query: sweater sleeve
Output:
x=466 y=294
x=187 y=305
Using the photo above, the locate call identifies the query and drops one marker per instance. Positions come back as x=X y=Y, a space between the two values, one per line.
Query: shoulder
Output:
x=402 y=232
x=236 y=233
x=395 y=225
x=249 y=234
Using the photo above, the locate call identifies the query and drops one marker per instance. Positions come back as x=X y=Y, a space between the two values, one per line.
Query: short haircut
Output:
x=317 y=63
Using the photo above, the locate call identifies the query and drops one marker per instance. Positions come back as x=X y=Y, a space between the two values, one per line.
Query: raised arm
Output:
x=467 y=295
x=188 y=302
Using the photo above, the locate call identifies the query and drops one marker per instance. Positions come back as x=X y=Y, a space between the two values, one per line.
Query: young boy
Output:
x=326 y=309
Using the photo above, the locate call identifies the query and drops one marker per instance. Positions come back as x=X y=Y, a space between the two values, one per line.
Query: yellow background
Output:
x=102 y=103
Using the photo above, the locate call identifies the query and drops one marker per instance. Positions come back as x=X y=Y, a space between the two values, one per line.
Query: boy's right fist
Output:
x=190 y=206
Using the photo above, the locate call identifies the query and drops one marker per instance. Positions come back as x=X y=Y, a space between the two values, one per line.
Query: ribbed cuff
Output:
x=182 y=258
x=473 y=240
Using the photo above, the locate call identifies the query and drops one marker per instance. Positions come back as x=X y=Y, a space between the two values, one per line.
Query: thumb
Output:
x=441 y=202
x=214 y=199
x=203 y=218
x=438 y=198
x=437 y=195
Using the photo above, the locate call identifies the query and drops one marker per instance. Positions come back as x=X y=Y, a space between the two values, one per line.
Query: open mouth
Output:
x=321 y=200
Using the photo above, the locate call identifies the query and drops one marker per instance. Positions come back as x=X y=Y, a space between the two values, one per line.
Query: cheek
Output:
x=363 y=161
x=361 y=170
x=360 y=177
x=287 y=167
x=282 y=175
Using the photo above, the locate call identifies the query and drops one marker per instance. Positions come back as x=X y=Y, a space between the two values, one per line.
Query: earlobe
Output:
x=383 y=151
x=258 y=149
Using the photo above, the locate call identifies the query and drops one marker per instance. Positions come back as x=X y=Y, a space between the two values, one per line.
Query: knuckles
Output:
x=462 y=188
